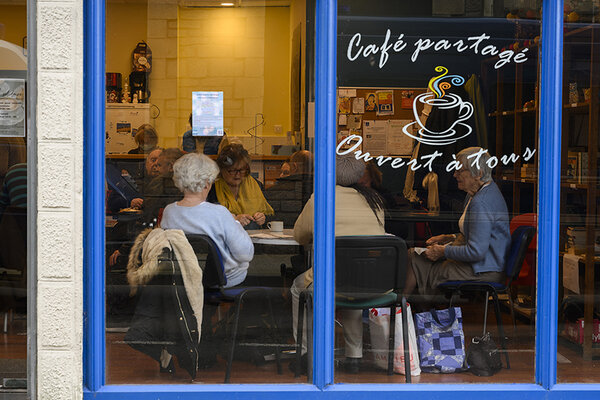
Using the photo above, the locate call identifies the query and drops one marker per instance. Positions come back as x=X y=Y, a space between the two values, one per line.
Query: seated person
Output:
x=357 y=210
x=291 y=192
x=194 y=175
x=285 y=168
x=161 y=191
x=190 y=142
x=484 y=225
x=237 y=190
x=150 y=171
x=146 y=138
x=14 y=188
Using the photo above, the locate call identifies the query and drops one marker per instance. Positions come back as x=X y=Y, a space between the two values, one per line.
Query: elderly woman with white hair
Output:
x=479 y=251
x=194 y=175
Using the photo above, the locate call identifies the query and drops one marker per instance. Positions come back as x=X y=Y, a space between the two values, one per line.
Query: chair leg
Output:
x=500 y=328
x=299 y=329
x=237 y=305
x=309 y=337
x=485 y=312
x=405 y=341
x=275 y=329
x=512 y=310
x=392 y=340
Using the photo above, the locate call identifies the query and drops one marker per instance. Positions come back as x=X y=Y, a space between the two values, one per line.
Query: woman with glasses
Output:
x=237 y=191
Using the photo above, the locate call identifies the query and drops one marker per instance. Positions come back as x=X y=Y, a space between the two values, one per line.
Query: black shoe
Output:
x=351 y=365
x=303 y=365
x=170 y=368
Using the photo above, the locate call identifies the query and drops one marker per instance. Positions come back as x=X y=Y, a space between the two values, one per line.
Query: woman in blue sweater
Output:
x=479 y=251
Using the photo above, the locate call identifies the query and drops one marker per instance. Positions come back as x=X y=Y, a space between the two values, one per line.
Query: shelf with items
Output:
x=579 y=160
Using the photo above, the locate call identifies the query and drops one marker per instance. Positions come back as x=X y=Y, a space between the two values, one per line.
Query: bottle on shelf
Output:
x=126 y=94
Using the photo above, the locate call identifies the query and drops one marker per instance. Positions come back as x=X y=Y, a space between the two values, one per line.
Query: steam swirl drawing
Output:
x=446 y=131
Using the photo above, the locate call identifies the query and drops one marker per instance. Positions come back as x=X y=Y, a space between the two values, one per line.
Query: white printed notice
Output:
x=375 y=135
x=397 y=142
x=571 y=272
x=207 y=113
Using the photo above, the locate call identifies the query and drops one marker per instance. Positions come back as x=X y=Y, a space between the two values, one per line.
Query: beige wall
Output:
x=14 y=19
x=242 y=51
x=126 y=25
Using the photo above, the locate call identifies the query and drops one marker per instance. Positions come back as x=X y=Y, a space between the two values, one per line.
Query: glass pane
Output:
x=579 y=298
x=206 y=115
x=13 y=196
x=437 y=136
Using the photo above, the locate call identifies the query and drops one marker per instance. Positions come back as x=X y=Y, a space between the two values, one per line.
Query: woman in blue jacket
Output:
x=479 y=251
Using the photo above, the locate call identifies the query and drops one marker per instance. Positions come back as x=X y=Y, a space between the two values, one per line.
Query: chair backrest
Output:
x=209 y=259
x=521 y=238
x=368 y=266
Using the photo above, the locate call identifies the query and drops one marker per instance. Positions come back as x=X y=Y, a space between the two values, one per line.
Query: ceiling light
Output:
x=227 y=4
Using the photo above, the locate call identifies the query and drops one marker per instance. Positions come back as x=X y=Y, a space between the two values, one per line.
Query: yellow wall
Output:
x=242 y=51
x=14 y=19
x=126 y=25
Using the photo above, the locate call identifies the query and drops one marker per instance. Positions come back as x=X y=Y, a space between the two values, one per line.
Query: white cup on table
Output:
x=275 y=226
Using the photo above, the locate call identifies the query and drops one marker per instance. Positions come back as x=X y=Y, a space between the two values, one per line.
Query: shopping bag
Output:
x=441 y=340
x=379 y=327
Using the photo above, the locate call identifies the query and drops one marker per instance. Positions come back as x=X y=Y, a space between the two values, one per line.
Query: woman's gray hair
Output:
x=193 y=172
x=476 y=165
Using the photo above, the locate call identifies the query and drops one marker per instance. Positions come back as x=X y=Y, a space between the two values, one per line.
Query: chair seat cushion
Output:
x=380 y=301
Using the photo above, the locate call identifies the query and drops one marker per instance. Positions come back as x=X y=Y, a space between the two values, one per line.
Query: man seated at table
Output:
x=161 y=191
x=139 y=182
x=479 y=251
x=291 y=192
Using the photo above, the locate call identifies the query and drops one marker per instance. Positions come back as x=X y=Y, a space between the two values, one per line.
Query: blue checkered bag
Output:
x=441 y=340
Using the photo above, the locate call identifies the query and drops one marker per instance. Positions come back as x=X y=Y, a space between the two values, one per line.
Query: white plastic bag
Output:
x=379 y=327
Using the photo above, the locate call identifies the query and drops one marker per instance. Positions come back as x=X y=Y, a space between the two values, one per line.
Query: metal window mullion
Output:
x=549 y=191
x=93 y=224
x=324 y=219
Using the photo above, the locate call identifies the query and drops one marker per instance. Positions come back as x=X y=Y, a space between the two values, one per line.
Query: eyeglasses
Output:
x=241 y=171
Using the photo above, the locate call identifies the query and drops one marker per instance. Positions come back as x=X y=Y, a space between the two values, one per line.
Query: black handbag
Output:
x=483 y=356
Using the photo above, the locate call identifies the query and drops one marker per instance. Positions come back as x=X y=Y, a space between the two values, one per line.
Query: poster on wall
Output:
x=385 y=102
x=12 y=108
x=370 y=102
x=207 y=114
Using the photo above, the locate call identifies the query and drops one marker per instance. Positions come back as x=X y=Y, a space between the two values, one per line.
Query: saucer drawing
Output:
x=459 y=131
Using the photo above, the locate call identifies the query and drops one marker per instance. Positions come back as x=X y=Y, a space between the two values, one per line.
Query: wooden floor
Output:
x=128 y=366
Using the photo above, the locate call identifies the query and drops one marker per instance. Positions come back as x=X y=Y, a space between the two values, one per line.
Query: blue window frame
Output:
x=323 y=387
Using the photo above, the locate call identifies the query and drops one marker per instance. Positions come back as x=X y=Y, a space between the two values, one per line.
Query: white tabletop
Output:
x=265 y=236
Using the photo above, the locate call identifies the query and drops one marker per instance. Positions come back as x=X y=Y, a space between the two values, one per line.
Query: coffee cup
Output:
x=275 y=226
x=444 y=127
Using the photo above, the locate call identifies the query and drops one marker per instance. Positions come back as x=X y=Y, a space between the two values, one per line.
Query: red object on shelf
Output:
x=574 y=331
x=527 y=274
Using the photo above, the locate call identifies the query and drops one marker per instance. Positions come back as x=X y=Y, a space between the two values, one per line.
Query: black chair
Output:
x=215 y=293
x=370 y=272
x=520 y=240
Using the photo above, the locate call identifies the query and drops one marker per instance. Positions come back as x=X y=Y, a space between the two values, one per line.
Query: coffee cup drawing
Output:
x=446 y=130
x=275 y=226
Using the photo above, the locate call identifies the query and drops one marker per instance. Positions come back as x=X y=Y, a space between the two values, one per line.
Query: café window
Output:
x=579 y=305
x=206 y=113
x=13 y=197
x=437 y=131
x=210 y=131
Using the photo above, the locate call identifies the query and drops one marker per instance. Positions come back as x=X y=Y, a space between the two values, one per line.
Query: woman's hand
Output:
x=112 y=260
x=137 y=203
x=244 y=219
x=439 y=239
x=259 y=218
x=434 y=252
